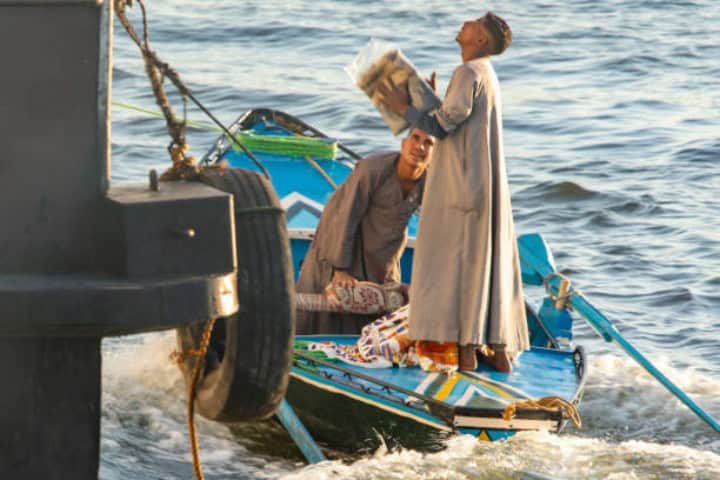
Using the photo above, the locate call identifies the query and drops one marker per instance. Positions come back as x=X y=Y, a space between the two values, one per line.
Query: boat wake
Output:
x=529 y=455
x=629 y=421
x=144 y=422
x=624 y=403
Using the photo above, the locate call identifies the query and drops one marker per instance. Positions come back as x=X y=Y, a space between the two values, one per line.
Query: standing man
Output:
x=363 y=230
x=466 y=285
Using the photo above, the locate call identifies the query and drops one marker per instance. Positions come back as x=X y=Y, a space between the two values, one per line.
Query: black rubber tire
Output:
x=245 y=375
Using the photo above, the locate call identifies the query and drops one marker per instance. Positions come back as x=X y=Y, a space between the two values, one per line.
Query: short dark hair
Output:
x=500 y=31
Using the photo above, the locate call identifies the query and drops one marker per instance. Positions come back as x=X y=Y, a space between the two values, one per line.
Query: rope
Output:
x=147 y=111
x=180 y=358
x=565 y=293
x=183 y=167
x=548 y=404
x=322 y=172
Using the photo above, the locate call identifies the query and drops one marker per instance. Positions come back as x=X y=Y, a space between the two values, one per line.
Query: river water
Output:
x=612 y=134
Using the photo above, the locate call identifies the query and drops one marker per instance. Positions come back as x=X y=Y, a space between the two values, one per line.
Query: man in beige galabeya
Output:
x=466 y=285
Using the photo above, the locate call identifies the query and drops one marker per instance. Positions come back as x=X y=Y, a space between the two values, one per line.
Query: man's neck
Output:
x=408 y=177
x=469 y=53
x=408 y=174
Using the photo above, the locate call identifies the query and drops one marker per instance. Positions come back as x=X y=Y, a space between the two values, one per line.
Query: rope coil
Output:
x=548 y=404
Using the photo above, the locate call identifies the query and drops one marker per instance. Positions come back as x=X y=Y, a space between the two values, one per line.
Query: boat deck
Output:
x=537 y=373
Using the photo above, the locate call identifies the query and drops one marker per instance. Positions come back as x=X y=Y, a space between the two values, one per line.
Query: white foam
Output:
x=144 y=424
x=528 y=455
x=622 y=401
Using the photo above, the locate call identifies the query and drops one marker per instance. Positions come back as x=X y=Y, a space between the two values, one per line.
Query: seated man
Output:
x=363 y=230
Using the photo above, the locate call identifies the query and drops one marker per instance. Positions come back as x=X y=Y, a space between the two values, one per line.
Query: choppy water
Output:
x=612 y=132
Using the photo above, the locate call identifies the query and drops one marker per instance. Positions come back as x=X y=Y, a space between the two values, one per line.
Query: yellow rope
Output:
x=548 y=404
x=180 y=357
x=197 y=468
x=320 y=170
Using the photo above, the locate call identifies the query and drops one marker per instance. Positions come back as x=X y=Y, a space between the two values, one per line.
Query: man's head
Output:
x=488 y=35
x=415 y=150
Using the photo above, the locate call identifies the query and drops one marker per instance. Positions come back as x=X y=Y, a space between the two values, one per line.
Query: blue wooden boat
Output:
x=351 y=407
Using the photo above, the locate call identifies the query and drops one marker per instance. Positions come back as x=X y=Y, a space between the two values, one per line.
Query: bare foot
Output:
x=500 y=361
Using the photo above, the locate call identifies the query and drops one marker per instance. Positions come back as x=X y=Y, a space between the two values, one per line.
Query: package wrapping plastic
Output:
x=379 y=62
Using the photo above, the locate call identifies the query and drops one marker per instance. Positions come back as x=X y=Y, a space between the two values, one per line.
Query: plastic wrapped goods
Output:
x=379 y=62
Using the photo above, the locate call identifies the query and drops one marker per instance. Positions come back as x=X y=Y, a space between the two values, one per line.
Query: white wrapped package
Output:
x=378 y=62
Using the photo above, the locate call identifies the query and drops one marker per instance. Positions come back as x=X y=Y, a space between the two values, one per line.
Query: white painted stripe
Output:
x=500 y=424
x=475 y=390
x=504 y=386
x=292 y=198
x=426 y=383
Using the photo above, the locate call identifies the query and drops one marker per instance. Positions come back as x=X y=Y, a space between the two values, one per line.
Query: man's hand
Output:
x=343 y=279
x=432 y=81
x=340 y=279
x=394 y=97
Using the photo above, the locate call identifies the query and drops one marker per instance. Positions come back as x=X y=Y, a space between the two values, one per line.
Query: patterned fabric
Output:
x=366 y=297
x=348 y=354
x=386 y=337
x=384 y=343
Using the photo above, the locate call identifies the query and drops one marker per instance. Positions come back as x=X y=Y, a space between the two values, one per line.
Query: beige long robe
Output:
x=363 y=230
x=466 y=285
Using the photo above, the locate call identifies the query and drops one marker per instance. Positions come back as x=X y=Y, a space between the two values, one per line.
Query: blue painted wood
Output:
x=299 y=433
x=534 y=255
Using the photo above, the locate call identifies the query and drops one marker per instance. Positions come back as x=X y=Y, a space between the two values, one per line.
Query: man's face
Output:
x=416 y=148
x=473 y=32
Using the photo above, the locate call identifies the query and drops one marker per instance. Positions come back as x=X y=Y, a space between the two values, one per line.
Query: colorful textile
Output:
x=384 y=343
x=386 y=337
x=348 y=354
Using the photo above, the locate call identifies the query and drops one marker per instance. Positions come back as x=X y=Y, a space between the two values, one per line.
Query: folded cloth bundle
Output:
x=365 y=298
x=378 y=63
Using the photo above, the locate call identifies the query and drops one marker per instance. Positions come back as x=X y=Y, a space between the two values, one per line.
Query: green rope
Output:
x=136 y=108
x=292 y=146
